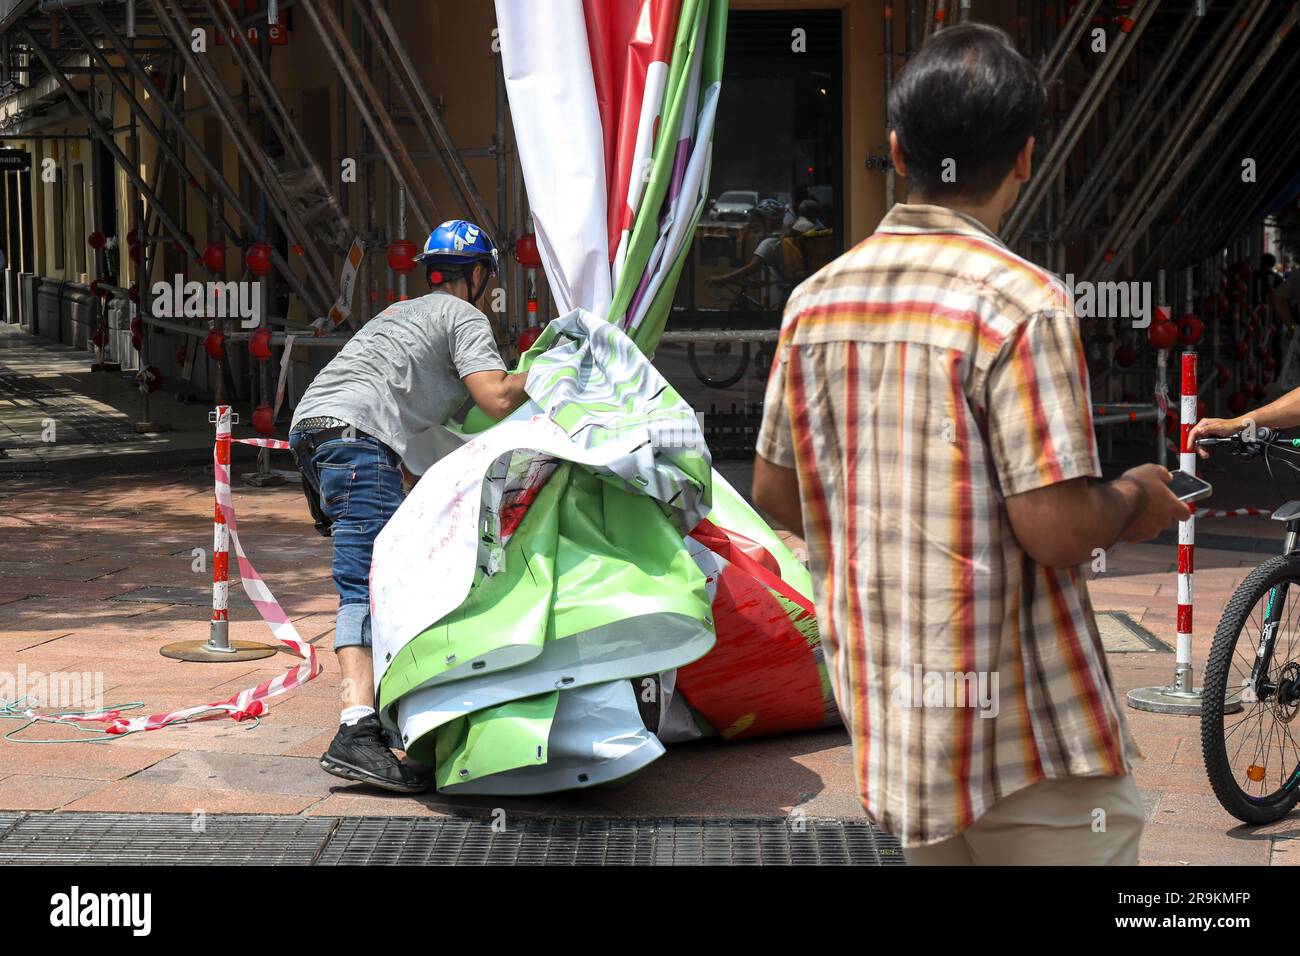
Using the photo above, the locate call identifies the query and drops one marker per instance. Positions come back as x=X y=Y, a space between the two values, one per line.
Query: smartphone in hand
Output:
x=1188 y=488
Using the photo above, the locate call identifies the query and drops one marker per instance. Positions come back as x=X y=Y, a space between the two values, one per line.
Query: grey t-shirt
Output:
x=401 y=373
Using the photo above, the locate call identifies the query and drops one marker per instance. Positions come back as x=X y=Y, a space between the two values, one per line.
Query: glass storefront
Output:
x=775 y=213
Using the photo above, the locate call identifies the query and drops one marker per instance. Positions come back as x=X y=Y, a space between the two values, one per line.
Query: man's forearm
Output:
x=740 y=273
x=1116 y=504
x=1282 y=413
x=776 y=492
x=515 y=395
x=497 y=393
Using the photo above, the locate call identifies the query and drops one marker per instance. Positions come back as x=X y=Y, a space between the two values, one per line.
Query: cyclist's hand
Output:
x=1213 y=428
x=714 y=280
x=1159 y=507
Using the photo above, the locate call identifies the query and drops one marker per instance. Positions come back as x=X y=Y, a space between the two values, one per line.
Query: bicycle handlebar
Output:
x=1253 y=446
x=1263 y=436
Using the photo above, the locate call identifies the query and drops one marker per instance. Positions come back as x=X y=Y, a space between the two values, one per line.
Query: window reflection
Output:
x=774 y=215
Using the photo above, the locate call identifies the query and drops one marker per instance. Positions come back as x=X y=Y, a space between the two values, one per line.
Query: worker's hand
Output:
x=408 y=479
x=1214 y=428
x=1159 y=508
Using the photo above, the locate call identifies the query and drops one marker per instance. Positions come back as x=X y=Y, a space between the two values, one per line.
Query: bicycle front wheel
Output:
x=718 y=364
x=1249 y=728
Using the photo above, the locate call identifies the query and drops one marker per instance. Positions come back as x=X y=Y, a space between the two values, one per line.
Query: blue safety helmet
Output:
x=457 y=243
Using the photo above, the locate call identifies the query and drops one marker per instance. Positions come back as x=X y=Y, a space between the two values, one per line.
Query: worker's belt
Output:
x=317 y=431
x=319 y=422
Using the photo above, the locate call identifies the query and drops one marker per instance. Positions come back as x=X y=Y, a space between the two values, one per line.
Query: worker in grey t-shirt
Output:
x=404 y=374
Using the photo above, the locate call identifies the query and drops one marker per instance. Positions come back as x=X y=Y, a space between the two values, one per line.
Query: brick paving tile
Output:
x=131 y=796
x=1167 y=844
x=25 y=791
x=99 y=761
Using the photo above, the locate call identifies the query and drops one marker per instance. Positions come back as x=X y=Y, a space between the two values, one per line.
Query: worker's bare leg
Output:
x=358 y=677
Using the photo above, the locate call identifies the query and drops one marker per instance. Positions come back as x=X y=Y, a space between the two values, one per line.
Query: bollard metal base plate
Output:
x=203 y=652
x=1172 y=700
x=264 y=479
x=1166 y=700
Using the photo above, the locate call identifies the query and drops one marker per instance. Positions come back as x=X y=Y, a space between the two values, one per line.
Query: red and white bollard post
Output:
x=1180 y=697
x=218 y=646
x=219 y=633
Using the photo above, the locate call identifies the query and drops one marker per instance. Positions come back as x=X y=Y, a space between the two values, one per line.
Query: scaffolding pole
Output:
x=175 y=118
x=1099 y=183
x=131 y=169
x=1171 y=183
x=1105 y=258
x=1066 y=41
x=371 y=108
x=1195 y=212
x=427 y=119
x=1063 y=144
x=250 y=66
x=258 y=165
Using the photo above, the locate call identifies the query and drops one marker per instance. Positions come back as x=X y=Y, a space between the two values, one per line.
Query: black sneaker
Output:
x=360 y=752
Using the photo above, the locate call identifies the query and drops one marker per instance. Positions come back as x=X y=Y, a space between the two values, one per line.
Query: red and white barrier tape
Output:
x=250 y=702
x=1233 y=513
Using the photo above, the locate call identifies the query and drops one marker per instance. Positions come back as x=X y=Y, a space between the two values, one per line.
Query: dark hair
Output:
x=809 y=209
x=970 y=97
x=1267 y=261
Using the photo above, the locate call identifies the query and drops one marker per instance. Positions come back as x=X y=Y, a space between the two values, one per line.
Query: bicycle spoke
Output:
x=1254 y=642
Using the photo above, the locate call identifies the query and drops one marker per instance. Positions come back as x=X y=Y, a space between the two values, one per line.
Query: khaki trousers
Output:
x=1052 y=822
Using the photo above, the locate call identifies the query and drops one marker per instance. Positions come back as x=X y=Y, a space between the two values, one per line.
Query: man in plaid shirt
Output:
x=928 y=430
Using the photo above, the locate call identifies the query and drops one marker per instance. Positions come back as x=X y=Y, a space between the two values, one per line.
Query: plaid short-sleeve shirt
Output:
x=920 y=379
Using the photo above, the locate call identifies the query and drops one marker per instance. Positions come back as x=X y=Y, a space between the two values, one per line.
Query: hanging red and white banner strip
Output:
x=547 y=67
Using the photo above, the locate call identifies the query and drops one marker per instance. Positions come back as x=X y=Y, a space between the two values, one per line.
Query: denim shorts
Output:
x=360 y=486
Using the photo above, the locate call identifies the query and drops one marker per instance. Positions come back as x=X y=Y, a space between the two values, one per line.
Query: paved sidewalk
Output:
x=56 y=414
x=96 y=574
x=82 y=562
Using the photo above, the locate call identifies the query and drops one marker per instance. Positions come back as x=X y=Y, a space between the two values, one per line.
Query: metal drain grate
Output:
x=7 y=822
x=133 y=838
x=529 y=841
x=1120 y=634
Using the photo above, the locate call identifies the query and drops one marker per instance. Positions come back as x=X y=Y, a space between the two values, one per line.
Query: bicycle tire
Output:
x=1239 y=803
x=724 y=381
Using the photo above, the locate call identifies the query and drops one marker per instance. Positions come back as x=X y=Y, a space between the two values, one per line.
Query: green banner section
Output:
x=647 y=334
x=512 y=606
x=495 y=740
x=645 y=230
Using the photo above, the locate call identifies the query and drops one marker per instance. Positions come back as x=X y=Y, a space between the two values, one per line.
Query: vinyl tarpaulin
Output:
x=578 y=569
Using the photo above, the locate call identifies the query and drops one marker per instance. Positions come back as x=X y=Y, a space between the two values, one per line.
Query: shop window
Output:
x=774 y=214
